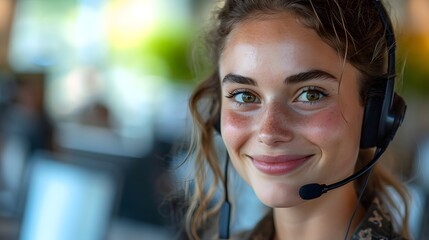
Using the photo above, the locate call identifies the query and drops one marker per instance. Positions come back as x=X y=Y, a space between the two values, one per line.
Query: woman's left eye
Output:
x=311 y=95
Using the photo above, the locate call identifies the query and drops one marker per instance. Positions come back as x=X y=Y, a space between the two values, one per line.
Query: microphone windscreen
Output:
x=311 y=191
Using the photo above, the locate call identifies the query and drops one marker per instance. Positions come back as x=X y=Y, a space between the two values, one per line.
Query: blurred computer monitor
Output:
x=68 y=198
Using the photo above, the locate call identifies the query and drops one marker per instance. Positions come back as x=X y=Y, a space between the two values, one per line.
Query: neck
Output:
x=326 y=217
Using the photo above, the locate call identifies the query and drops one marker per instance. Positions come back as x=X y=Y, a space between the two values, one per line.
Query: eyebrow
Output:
x=293 y=79
x=309 y=75
x=234 y=78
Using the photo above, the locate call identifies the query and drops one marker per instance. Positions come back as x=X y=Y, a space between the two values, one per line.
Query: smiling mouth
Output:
x=279 y=165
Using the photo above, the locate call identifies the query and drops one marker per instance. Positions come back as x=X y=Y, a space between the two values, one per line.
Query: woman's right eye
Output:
x=244 y=97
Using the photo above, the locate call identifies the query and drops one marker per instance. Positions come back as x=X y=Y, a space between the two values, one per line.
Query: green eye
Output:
x=245 y=97
x=310 y=95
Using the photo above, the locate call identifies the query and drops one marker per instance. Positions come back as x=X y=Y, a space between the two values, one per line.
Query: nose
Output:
x=275 y=125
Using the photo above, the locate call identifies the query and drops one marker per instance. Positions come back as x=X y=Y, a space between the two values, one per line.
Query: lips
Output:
x=278 y=165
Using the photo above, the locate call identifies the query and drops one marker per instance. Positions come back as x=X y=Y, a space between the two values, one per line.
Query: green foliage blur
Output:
x=174 y=49
x=413 y=55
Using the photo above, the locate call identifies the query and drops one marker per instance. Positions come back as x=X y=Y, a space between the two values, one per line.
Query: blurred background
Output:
x=93 y=101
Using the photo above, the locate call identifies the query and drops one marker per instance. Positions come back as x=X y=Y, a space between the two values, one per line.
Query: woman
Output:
x=290 y=84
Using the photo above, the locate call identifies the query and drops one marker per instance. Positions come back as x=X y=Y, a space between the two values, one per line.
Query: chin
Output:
x=278 y=195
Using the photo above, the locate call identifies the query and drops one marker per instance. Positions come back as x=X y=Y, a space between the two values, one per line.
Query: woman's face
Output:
x=291 y=113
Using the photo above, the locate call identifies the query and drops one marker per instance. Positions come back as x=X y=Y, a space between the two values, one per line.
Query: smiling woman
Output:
x=295 y=88
x=302 y=126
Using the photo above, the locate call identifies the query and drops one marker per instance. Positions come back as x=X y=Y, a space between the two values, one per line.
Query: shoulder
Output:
x=377 y=224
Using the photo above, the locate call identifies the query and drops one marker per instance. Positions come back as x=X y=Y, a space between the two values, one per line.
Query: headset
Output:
x=384 y=112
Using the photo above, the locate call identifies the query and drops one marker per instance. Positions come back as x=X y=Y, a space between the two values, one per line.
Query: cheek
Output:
x=331 y=127
x=236 y=132
x=235 y=128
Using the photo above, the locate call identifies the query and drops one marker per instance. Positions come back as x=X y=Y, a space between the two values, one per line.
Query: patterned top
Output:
x=376 y=225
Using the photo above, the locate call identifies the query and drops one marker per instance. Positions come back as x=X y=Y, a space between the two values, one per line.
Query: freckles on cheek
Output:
x=234 y=127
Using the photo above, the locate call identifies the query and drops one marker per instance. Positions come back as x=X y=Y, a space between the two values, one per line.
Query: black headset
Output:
x=384 y=109
x=384 y=112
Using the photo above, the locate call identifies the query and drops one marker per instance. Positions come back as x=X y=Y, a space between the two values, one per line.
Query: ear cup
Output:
x=380 y=125
x=396 y=117
x=371 y=118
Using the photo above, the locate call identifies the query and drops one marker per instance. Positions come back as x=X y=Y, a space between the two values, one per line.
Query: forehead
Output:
x=278 y=25
x=277 y=40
